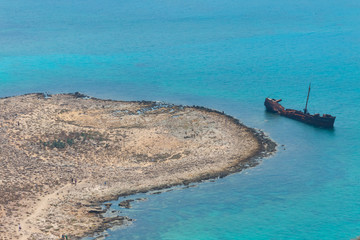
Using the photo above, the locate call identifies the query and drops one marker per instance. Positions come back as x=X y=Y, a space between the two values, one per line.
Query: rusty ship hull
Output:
x=325 y=121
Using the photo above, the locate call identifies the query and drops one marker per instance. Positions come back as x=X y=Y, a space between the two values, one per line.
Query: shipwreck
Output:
x=325 y=120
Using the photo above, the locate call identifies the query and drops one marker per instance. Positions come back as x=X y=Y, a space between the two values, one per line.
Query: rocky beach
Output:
x=61 y=156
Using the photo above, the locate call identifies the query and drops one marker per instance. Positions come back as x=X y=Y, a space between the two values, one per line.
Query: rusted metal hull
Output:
x=325 y=121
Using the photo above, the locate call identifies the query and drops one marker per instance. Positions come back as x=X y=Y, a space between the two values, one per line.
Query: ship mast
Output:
x=305 y=110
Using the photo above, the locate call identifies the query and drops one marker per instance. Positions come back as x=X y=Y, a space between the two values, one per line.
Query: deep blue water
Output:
x=228 y=55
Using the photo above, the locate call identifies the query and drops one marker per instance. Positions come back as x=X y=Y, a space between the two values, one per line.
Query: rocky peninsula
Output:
x=61 y=156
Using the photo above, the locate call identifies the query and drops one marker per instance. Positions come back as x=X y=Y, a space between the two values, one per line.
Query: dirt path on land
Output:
x=40 y=208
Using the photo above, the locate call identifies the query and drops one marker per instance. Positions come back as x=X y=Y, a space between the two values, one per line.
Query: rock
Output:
x=108 y=205
x=126 y=203
x=155 y=193
x=80 y=95
x=97 y=210
x=141 y=199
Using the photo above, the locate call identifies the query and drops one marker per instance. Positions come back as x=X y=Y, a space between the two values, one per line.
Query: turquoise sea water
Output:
x=228 y=55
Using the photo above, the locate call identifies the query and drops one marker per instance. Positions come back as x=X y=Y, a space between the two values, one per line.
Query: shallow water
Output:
x=228 y=55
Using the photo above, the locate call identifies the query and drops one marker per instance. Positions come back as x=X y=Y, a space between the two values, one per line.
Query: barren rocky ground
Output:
x=110 y=148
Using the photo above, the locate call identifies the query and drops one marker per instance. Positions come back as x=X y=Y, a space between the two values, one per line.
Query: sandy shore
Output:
x=110 y=148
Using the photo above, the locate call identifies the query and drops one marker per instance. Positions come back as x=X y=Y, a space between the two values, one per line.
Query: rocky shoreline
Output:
x=62 y=156
x=267 y=149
